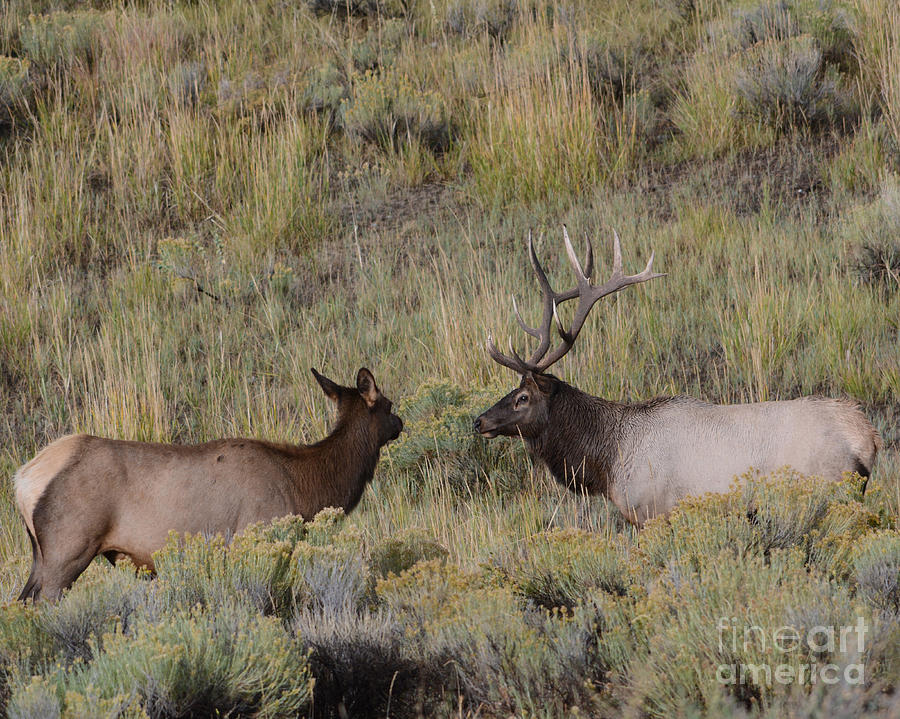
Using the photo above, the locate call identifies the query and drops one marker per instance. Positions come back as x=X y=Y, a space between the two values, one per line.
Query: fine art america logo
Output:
x=797 y=648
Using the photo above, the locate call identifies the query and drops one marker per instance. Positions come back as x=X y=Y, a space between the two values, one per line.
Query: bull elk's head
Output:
x=524 y=411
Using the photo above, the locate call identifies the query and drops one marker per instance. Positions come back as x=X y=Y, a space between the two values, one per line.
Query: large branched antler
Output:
x=587 y=295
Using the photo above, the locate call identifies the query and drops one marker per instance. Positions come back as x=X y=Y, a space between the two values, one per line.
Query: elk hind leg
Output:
x=63 y=566
x=32 y=589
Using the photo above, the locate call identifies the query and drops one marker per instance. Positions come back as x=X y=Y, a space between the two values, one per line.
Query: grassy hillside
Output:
x=201 y=200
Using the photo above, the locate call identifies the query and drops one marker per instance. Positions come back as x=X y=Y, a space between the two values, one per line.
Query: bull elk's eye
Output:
x=522 y=399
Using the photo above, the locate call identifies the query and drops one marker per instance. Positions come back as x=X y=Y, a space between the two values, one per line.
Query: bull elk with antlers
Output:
x=83 y=496
x=645 y=457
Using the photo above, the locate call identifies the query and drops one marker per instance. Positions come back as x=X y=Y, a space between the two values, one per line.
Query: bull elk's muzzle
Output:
x=485 y=426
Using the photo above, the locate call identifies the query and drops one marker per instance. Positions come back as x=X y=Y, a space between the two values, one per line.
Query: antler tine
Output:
x=589 y=265
x=502 y=359
x=588 y=295
x=573 y=258
x=517 y=357
x=534 y=332
x=617 y=255
x=538 y=270
x=550 y=297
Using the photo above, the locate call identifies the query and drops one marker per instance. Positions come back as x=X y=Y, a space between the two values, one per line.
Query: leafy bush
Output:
x=388 y=110
x=326 y=89
x=256 y=568
x=333 y=578
x=513 y=660
x=380 y=45
x=399 y=552
x=353 y=8
x=187 y=81
x=470 y=18
x=701 y=626
x=360 y=663
x=613 y=69
x=764 y=22
x=17 y=90
x=94 y=606
x=439 y=419
x=561 y=568
x=873 y=230
x=785 y=84
x=61 y=40
x=876 y=569
x=197 y=663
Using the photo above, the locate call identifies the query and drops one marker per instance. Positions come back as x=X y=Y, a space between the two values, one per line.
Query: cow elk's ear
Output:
x=331 y=389
x=368 y=390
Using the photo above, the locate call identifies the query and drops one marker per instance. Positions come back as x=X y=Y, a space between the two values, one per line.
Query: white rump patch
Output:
x=32 y=479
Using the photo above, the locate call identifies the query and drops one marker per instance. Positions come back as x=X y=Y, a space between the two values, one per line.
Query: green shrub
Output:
x=876 y=569
x=388 y=110
x=24 y=640
x=331 y=578
x=759 y=515
x=36 y=700
x=562 y=568
x=326 y=89
x=198 y=663
x=470 y=18
x=439 y=419
x=873 y=230
x=784 y=83
x=612 y=68
x=763 y=22
x=269 y=566
x=187 y=81
x=380 y=46
x=424 y=592
x=360 y=663
x=697 y=528
x=94 y=606
x=512 y=660
x=399 y=552
x=17 y=90
x=63 y=39
x=353 y=8
x=700 y=626
x=784 y=508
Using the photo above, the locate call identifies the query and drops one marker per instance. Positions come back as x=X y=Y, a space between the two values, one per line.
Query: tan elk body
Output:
x=647 y=456
x=83 y=496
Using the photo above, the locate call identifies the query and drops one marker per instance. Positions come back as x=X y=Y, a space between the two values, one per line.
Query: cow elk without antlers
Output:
x=82 y=496
x=644 y=457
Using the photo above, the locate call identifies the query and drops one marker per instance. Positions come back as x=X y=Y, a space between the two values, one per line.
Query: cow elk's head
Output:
x=366 y=402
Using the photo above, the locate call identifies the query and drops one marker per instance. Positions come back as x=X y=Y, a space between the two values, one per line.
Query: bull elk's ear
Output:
x=331 y=389
x=368 y=390
x=543 y=383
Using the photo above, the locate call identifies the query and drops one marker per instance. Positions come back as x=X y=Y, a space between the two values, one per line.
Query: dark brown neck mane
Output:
x=580 y=440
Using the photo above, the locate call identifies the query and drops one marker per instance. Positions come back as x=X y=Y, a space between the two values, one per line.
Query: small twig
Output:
x=201 y=290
